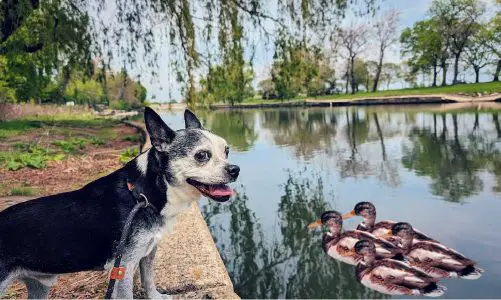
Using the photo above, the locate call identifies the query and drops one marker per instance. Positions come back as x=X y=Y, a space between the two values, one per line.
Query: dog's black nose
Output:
x=233 y=171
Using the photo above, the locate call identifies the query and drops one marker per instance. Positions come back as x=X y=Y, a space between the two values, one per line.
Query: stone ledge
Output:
x=187 y=265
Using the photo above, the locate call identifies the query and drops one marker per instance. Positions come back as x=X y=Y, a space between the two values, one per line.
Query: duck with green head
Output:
x=337 y=243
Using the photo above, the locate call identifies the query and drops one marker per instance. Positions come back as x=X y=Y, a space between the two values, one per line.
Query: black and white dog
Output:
x=79 y=230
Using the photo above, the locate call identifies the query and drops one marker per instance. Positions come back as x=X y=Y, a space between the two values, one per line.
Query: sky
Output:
x=165 y=87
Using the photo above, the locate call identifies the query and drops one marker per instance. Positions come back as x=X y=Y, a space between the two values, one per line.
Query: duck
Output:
x=392 y=277
x=367 y=210
x=435 y=259
x=337 y=244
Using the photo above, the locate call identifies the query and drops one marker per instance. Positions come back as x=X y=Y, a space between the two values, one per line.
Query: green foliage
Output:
x=132 y=138
x=27 y=155
x=71 y=145
x=128 y=154
x=425 y=45
x=23 y=190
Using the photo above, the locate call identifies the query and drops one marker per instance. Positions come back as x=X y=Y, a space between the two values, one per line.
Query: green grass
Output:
x=128 y=154
x=24 y=190
x=27 y=155
x=20 y=126
x=132 y=138
x=469 y=89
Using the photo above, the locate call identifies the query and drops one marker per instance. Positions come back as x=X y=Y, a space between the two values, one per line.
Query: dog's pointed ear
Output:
x=191 y=121
x=160 y=134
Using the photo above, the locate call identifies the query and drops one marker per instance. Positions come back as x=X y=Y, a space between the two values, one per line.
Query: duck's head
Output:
x=401 y=230
x=366 y=210
x=332 y=219
x=366 y=249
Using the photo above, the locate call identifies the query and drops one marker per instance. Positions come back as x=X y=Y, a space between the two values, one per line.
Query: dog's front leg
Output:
x=124 y=288
x=146 y=266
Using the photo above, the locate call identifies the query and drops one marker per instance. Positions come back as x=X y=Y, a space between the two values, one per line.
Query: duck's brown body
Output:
x=396 y=278
x=392 y=277
x=338 y=246
x=440 y=261
x=382 y=228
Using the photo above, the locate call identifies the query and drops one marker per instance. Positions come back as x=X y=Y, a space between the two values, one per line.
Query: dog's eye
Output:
x=202 y=156
x=227 y=150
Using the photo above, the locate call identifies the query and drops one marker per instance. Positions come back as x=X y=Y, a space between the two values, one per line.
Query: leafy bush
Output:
x=71 y=145
x=27 y=155
x=23 y=190
x=132 y=138
x=128 y=154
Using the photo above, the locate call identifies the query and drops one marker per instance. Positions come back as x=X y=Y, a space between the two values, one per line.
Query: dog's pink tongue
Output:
x=220 y=191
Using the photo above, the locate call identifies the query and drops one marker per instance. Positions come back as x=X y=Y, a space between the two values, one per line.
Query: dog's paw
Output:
x=157 y=295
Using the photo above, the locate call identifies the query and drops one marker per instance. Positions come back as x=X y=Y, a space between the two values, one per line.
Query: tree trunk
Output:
x=64 y=84
x=477 y=74
x=435 y=73
x=444 y=73
x=495 y=118
x=380 y=134
x=352 y=75
x=456 y=68
x=378 y=71
x=498 y=70
x=347 y=79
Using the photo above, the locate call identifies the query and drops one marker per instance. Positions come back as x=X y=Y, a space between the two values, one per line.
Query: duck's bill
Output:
x=387 y=235
x=315 y=224
x=349 y=215
x=349 y=253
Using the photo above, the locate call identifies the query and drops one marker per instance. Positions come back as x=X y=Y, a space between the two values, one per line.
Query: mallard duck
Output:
x=434 y=259
x=337 y=244
x=367 y=210
x=392 y=277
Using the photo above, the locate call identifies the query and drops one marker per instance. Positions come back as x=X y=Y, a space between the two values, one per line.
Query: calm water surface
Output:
x=440 y=171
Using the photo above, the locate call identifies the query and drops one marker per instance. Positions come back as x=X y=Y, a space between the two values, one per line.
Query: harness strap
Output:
x=118 y=272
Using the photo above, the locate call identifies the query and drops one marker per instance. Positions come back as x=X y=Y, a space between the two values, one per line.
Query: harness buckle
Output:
x=117 y=273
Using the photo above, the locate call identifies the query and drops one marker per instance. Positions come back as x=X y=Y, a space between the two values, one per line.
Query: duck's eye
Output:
x=227 y=151
x=428 y=259
x=202 y=156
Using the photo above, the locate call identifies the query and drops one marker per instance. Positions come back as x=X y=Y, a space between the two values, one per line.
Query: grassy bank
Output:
x=471 y=89
x=48 y=154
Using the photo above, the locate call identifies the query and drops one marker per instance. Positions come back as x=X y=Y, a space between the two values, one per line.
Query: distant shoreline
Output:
x=363 y=101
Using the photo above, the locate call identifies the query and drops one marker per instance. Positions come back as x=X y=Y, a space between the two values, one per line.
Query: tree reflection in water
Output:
x=237 y=127
x=290 y=263
x=452 y=159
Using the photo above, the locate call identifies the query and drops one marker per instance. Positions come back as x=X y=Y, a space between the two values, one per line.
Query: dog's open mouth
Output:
x=217 y=192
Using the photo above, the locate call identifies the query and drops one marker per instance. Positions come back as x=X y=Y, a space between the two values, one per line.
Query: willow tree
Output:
x=131 y=29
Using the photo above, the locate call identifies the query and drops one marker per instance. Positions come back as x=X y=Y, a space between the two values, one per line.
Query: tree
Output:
x=361 y=74
x=493 y=31
x=135 y=26
x=477 y=52
x=390 y=72
x=426 y=48
x=457 y=19
x=354 y=38
x=267 y=89
x=386 y=36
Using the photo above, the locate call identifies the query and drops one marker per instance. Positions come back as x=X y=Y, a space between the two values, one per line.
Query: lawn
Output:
x=468 y=89
x=49 y=154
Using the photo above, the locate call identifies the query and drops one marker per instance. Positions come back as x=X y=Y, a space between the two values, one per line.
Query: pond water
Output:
x=438 y=170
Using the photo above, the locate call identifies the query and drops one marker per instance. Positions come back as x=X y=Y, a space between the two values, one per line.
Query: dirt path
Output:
x=180 y=268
